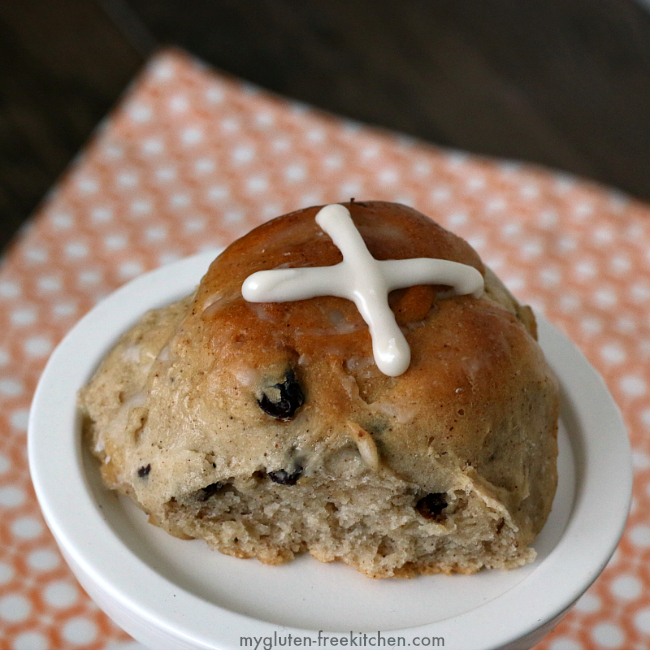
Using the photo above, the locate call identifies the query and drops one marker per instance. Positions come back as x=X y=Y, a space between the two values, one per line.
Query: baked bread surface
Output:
x=267 y=429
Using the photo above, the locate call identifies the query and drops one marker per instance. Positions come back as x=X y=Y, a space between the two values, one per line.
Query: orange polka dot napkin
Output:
x=191 y=160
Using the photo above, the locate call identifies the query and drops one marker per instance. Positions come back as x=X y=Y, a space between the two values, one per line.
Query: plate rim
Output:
x=51 y=409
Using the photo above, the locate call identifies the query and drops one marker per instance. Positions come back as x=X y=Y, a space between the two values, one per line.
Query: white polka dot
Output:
x=36 y=255
x=140 y=113
x=12 y=496
x=4 y=357
x=477 y=242
x=642 y=620
x=230 y=125
x=515 y=284
x=496 y=205
x=388 y=177
x=421 y=168
x=204 y=166
x=180 y=200
x=511 y=229
x=281 y=145
x=168 y=258
x=548 y=219
x=243 y=154
x=608 y=635
x=153 y=146
x=550 y=277
x=61 y=594
x=130 y=269
x=620 y=264
x=311 y=198
x=456 y=159
x=6 y=573
x=613 y=353
x=627 y=587
x=351 y=188
x=80 y=631
x=369 y=152
x=90 y=277
x=565 y=643
x=43 y=560
x=179 y=103
x=113 y=151
x=440 y=194
x=315 y=136
x=233 y=216
x=127 y=180
x=49 y=284
x=20 y=419
x=529 y=191
x=633 y=385
x=87 y=185
x=141 y=206
x=192 y=136
x=626 y=324
x=566 y=244
x=264 y=120
x=457 y=219
x=62 y=220
x=591 y=325
x=64 y=309
x=602 y=236
x=271 y=210
x=156 y=233
x=14 y=608
x=194 y=225
x=214 y=95
x=27 y=528
x=257 y=184
x=475 y=183
x=9 y=289
x=76 y=250
x=101 y=215
x=37 y=346
x=218 y=193
x=333 y=161
x=30 y=641
x=10 y=387
x=640 y=460
x=163 y=71
x=640 y=536
x=24 y=316
x=295 y=173
x=585 y=269
x=5 y=464
x=640 y=292
x=582 y=210
x=115 y=242
x=569 y=303
x=605 y=298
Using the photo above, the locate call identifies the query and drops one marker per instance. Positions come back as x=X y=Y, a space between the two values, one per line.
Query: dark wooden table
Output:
x=565 y=83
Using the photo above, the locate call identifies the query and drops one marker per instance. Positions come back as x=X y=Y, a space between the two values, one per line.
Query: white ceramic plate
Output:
x=177 y=594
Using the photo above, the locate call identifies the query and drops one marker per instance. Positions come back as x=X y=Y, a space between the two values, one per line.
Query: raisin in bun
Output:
x=268 y=430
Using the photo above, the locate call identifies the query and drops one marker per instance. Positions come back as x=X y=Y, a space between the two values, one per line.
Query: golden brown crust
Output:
x=474 y=416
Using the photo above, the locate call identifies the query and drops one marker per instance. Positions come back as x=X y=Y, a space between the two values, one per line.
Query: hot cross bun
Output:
x=268 y=430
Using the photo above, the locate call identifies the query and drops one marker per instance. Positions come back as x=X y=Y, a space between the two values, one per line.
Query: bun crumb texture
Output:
x=267 y=430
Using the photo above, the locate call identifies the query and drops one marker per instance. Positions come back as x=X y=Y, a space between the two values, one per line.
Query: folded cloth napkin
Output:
x=191 y=159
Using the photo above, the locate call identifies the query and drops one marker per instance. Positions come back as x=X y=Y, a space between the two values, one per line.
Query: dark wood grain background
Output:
x=565 y=83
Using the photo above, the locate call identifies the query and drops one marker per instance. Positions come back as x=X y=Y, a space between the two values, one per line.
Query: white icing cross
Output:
x=364 y=280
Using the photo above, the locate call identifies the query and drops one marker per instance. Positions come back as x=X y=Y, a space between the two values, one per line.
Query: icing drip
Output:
x=364 y=280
